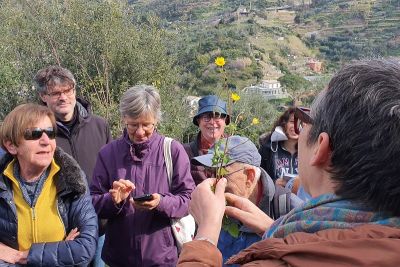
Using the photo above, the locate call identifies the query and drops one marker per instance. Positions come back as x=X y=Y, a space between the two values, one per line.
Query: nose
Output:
x=63 y=96
x=44 y=139
x=139 y=131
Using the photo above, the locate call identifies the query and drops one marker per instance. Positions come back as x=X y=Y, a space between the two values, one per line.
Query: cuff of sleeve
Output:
x=205 y=239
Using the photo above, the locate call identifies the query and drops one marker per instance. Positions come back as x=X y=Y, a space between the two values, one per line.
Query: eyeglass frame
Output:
x=152 y=125
x=57 y=95
x=301 y=115
x=207 y=116
x=214 y=169
x=32 y=133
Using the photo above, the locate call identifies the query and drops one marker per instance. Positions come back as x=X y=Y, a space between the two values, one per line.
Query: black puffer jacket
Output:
x=75 y=208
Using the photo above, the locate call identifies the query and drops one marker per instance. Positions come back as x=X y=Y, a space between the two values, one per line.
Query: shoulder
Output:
x=114 y=146
x=71 y=176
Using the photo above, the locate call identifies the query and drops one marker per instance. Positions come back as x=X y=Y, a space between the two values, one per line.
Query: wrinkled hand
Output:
x=208 y=208
x=248 y=213
x=121 y=190
x=13 y=256
x=72 y=235
x=147 y=205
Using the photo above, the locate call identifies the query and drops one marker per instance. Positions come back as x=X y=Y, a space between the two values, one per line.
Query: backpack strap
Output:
x=281 y=201
x=168 y=158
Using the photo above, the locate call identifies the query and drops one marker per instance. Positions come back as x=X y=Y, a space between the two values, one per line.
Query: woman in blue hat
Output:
x=211 y=118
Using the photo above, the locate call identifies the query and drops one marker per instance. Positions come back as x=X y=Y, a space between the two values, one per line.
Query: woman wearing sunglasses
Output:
x=47 y=217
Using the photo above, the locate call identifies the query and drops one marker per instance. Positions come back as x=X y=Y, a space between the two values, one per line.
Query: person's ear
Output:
x=322 y=151
x=251 y=176
x=43 y=97
x=11 y=148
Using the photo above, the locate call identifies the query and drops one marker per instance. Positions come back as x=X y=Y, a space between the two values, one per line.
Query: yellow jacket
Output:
x=41 y=223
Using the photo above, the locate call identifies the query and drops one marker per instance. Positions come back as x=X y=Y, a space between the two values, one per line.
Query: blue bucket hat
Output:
x=211 y=103
x=240 y=149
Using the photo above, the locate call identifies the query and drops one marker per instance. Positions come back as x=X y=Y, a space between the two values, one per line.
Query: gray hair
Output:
x=51 y=76
x=139 y=100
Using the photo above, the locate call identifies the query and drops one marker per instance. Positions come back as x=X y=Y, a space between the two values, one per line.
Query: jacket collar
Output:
x=139 y=151
x=70 y=179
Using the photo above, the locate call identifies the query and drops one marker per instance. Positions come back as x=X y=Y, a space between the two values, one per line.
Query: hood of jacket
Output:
x=69 y=180
x=83 y=107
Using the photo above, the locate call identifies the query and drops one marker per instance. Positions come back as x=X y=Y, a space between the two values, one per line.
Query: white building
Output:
x=269 y=89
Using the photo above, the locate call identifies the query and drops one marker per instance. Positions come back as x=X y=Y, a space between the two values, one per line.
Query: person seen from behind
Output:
x=345 y=144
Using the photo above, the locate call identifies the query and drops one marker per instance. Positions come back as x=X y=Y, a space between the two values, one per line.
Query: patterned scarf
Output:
x=325 y=212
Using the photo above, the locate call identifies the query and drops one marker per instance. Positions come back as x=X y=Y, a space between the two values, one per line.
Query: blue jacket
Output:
x=75 y=208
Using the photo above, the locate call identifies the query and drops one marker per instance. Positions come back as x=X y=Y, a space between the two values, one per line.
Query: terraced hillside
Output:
x=352 y=29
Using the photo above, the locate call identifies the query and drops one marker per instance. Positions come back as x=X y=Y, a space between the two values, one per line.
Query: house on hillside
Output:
x=315 y=65
x=193 y=103
x=269 y=89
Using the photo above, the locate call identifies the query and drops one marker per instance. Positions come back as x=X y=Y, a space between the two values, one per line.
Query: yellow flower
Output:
x=255 y=121
x=220 y=61
x=235 y=97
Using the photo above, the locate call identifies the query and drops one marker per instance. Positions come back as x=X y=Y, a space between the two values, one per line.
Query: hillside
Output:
x=344 y=30
x=266 y=39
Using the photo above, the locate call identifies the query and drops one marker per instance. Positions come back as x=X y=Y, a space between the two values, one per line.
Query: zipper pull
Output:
x=33 y=213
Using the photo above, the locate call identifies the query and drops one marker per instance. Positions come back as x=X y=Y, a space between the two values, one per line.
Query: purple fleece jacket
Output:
x=141 y=237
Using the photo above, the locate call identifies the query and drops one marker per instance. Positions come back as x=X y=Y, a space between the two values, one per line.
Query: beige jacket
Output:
x=366 y=245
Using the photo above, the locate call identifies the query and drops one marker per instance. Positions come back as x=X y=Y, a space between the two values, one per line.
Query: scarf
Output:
x=326 y=212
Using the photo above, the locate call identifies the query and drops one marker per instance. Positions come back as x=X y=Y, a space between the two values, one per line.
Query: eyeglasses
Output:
x=57 y=95
x=230 y=173
x=36 y=133
x=212 y=115
x=147 y=127
x=301 y=116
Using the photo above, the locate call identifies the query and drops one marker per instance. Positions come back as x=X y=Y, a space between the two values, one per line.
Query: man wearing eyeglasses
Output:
x=211 y=118
x=79 y=133
x=349 y=150
x=245 y=178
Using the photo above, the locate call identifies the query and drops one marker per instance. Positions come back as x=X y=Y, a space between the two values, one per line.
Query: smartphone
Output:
x=142 y=198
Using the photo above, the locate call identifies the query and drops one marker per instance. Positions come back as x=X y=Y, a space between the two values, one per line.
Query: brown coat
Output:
x=366 y=245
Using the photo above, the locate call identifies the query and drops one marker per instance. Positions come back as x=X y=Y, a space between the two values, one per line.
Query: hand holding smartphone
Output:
x=142 y=198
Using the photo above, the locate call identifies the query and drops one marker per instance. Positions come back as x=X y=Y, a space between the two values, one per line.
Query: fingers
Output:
x=123 y=184
x=235 y=212
x=220 y=187
x=72 y=235
x=237 y=201
x=150 y=204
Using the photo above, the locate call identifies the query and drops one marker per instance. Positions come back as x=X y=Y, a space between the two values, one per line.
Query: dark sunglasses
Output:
x=36 y=133
x=301 y=117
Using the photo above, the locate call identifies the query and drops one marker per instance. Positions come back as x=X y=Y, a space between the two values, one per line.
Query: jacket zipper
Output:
x=34 y=239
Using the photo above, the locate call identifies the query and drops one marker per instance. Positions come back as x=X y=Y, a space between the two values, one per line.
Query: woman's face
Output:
x=211 y=127
x=140 y=129
x=289 y=128
x=35 y=155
